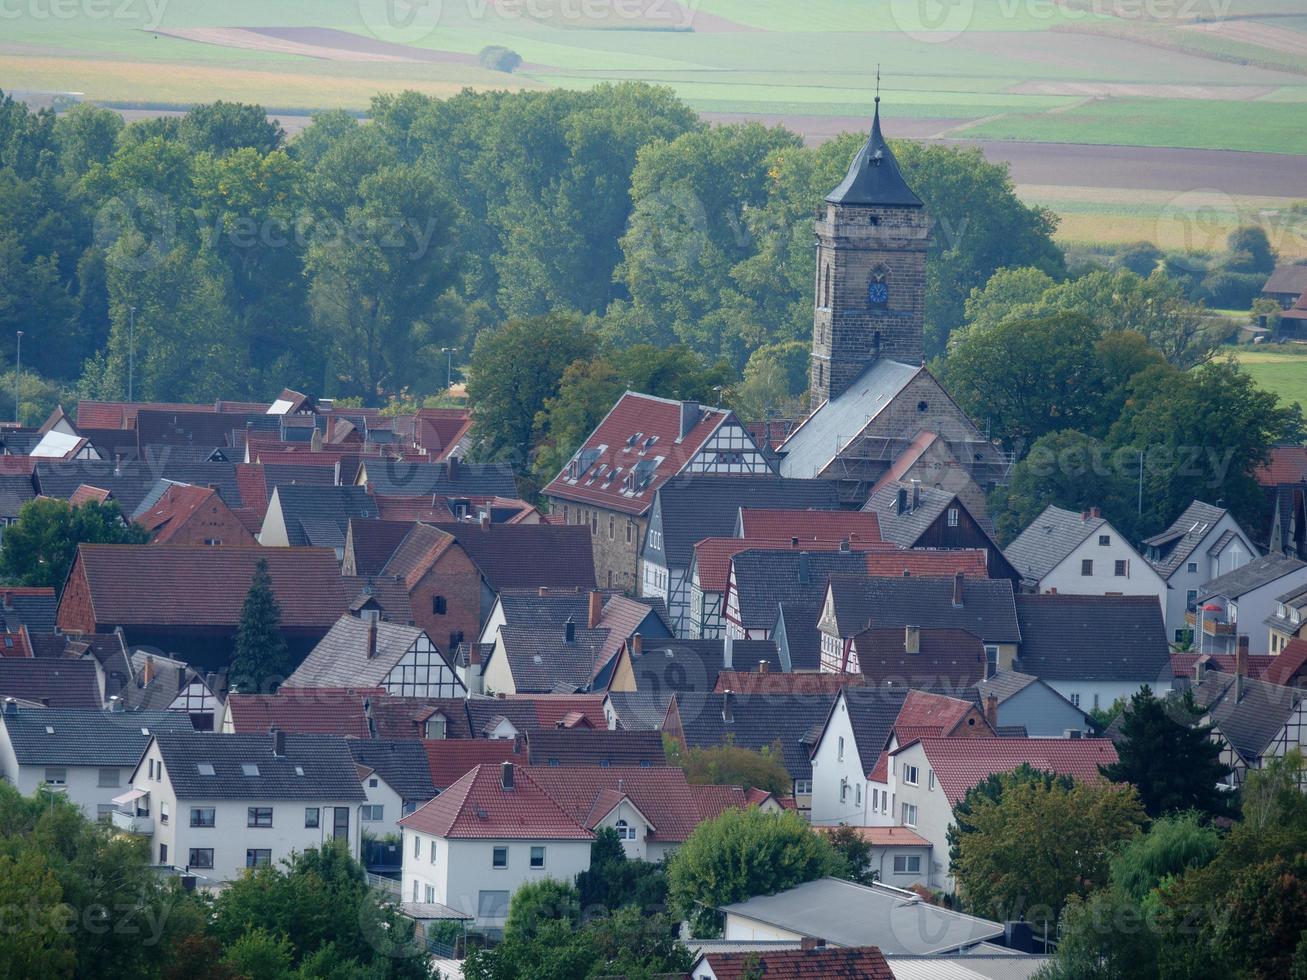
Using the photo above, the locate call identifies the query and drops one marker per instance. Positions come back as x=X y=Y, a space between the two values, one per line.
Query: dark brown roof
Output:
x=525 y=556
x=374 y=541
x=586 y=747
x=148 y=585
x=53 y=683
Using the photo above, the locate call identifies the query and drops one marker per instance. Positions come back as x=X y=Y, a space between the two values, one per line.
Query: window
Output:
x=373 y=782
x=875 y=799
x=371 y=814
x=104 y=812
x=857 y=794
x=455 y=639
x=1095 y=702
x=200 y=857
x=991 y=658
x=594 y=523
x=909 y=815
x=803 y=787
x=1105 y=540
x=435 y=727
x=612 y=527
x=910 y=774
x=415 y=891
x=203 y=816
x=624 y=830
x=1190 y=598
x=1075 y=700
x=1121 y=568
x=56 y=776
x=150 y=767
x=163 y=813
x=312 y=816
x=841 y=749
x=438 y=605
x=499 y=858
x=628 y=532
x=1192 y=568
x=431 y=851
x=884 y=801
x=930 y=778
x=537 y=857
x=952 y=517
x=258 y=857
x=163 y=853
x=492 y=905
x=417 y=846
x=204 y=768
x=109 y=777
x=907 y=864
x=258 y=816
x=430 y=893
x=1086 y=566
x=249 y=769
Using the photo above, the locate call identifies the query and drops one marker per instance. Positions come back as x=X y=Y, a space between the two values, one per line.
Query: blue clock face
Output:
x=877 y=293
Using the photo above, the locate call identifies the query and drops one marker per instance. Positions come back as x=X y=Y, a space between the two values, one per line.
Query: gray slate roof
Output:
x=765 y=578
x=1257 y=573
x=36 y=612
x=1177 y=543
x=858 y=915
x=86 y=736
x=586 y=747
x=400 y=762
x=320 y=515
x=543 y=658
x=907 y=528
x=693 y=665
x=132 y=481
x=872 y=713
x=987 y=608
x=874 y=176
x=836 y=423
x=403 y=478
x=798 y=620
x=758 y=720
x=1287 y=278
x=1250 y=722
x=341 y=657
x=640 y=710
x=55 y=683
x=694 y=507
x=1005 y=683
x=15 y=490
x=1089 y=637
x=1052 y=536
x=325 y=760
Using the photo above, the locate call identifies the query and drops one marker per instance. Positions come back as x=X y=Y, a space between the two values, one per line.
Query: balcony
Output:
x=1212 y=626
x=133 y=823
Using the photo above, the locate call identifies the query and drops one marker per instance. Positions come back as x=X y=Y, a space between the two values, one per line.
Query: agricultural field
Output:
x=1281 y=370
x=1193 y=77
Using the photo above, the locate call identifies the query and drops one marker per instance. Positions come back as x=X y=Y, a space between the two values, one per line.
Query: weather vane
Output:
x=878 y=81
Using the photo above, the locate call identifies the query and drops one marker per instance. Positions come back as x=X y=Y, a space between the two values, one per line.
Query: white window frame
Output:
x=911 y=775
x=909 y=814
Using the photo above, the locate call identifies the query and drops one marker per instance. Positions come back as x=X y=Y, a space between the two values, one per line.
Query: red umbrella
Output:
x=1211 y=607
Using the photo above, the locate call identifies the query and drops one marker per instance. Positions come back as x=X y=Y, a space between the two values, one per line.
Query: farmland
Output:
x=1281 y=370
x=1197 y=76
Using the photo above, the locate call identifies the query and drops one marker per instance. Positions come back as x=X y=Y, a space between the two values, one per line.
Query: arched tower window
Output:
x=826 y=290
x=878 y=289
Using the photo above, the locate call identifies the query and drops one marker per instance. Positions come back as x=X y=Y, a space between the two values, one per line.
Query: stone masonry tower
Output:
x=871 y=272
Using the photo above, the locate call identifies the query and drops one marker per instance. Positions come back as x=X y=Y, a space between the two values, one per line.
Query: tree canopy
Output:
x=260 y=660
x=41 y=545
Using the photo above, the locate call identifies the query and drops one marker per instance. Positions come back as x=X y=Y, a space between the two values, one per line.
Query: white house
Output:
x=218 y=804
x=1081 y=554
x=1204 y=543
x=84 y=753
x=930 y=776
x=1243 y=601
x=363 y=652
x=484 y=837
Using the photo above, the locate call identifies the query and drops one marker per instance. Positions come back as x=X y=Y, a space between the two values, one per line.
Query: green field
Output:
x=1284 y=373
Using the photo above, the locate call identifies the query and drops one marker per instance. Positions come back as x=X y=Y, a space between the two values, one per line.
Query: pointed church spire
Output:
x=874 y=176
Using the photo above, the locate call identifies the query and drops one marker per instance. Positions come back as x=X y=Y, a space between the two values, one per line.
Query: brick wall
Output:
x=213 y=522
x=75 y=614
x=455 y=578
x=616 y=538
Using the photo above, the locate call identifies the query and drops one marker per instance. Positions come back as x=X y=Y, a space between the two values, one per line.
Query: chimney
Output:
x=762 y=666
x=181 y=676
x=689 y=418
x=595 y=609
x=372 y=637
x=506 y=775
x=811 y=942
x=543 y=591
x=637 y=645
x=1094 y=512
x=278 y=742
x=115 y=704
x=485 y=518
x=957 y=590
x=451 y=468
x=147 y=672
x=991 y=711
x=1240 y=667
x=728 y=651
x=211 y=682
x=845 y=544
x=11 y=706
x=916 y=494
x=569 y=631
x=804 y=572
x=728 y=707
x=1084 y=517
x=1200 y=670
x=519 y=743
x=901 y=503
x=912 y=639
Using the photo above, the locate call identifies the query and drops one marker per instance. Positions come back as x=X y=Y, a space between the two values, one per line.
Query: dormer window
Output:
x=436 y=727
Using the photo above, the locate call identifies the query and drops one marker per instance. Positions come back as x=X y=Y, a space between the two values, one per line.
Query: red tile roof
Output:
x=478 y=807
x=822 y=963
x=1182 y=664
x=774 y=682
x=15 y=644
x=906 y=459
x=809 y=525
x=450 y=759
x=960 y=763
x=194 y=585
x=320 y=711
x=434 y=509
x=925 y=715
x=1288 y=464
x=122 y=415
x=88 y=494
x=1288 y=665
x=885 y=836
x=589 y=793
x=173 y=509
x=712 y=801
x=642 y=416
x=551 y=709
x=928 y=564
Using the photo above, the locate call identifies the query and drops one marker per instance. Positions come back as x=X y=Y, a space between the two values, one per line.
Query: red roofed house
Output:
x=641 y=444
x=484 y=837
x=812 y=961
x=187 y=599
x=187 y=514
x=307 y=710
x=930 y=776
x=808 y=526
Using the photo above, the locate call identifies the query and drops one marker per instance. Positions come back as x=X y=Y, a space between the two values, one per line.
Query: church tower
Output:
x=871 y=272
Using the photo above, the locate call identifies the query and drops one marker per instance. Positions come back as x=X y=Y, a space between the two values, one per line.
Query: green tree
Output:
x=538 y=902
x=990 y=790
x=1171 y=760
x=1025 y=854
x=732 y=765
x=613 y=880
x=1250 y=251
x=41 y=545
x=740 y=854
x=36 y=944
x=260 y=955
x=514 y=370
x=855 y=855
x=1141 y=258
x=1174 y=844
x=775 y=381
x=220 y=127
x=260 y=661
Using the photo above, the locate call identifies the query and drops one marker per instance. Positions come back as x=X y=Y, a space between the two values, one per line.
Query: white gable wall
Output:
x=1139 y=578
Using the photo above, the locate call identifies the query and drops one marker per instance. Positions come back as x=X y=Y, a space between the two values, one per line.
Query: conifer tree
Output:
x=261 y=661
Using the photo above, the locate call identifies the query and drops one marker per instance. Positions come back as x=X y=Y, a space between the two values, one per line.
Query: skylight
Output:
x=205 y=768
x=299 y=770
x=249 y=769
x=145 y=731
x=49 y=729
